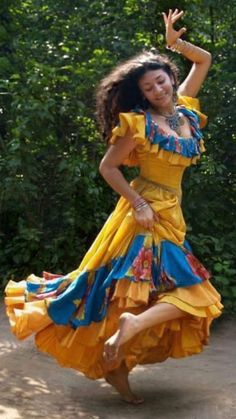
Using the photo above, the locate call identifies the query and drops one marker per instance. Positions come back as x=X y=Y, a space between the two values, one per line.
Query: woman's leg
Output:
x=118 y=378
x=131 y=324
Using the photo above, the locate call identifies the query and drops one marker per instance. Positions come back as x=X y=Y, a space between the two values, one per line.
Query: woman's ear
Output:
x=172 y=81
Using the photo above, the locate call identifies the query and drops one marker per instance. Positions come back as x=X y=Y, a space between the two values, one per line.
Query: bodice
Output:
x=161 y=157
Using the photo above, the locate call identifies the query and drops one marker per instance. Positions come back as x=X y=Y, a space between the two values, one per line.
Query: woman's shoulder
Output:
x=130 y=123
x=193 y=104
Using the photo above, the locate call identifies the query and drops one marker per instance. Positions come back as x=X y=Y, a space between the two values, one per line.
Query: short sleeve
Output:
x=132 y=125
x=193 y=104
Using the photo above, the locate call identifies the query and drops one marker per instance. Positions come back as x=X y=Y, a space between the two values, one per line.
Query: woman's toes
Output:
x=135 y=400
x=110 y=352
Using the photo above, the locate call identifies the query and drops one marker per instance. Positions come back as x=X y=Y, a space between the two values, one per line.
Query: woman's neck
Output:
x=167 y=110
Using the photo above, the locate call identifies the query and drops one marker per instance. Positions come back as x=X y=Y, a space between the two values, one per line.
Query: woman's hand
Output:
x=171 y=34
x=146 y=217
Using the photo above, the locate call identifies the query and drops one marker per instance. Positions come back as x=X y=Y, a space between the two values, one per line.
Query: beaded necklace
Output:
x=174 y=120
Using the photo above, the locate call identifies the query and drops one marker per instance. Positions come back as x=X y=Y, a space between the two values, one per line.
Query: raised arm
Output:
x=201 y=59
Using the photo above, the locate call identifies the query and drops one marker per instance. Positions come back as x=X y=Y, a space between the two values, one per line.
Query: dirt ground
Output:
x=32 y=385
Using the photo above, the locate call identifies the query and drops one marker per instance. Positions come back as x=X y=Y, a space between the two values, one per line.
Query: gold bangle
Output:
x=180 y=46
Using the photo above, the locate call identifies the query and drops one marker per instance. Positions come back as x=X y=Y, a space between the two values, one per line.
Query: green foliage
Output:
x=52 y=198
x=210 y=200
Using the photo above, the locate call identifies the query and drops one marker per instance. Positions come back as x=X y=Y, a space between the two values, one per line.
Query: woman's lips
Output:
x=161 y=97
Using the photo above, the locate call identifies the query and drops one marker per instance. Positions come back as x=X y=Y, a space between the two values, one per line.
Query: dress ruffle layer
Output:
x=82 y=348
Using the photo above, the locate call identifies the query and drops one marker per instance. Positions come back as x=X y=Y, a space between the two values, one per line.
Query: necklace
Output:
x=175 y=121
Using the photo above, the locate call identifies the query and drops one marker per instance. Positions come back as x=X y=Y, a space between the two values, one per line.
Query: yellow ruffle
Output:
x=82 y=348
x=26 y=318
x=133 y=122
x=192 y=103
x=134 y=125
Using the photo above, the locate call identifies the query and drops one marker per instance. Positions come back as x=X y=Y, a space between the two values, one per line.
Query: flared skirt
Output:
x=127 y=269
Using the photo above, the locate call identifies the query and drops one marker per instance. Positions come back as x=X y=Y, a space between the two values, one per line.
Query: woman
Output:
x=139 y=295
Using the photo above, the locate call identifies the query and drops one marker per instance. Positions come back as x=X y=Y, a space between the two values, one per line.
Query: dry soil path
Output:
x=32 y=385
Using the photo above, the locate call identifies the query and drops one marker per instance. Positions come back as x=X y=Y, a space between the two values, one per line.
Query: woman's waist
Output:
x=158 y=184
x=169 y=177
x=155 y=190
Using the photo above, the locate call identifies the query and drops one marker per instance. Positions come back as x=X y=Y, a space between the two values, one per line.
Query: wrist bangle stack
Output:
x=180 y=46
x=139 y=204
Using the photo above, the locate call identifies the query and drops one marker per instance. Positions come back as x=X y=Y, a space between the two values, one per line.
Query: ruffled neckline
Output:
x=187 y=147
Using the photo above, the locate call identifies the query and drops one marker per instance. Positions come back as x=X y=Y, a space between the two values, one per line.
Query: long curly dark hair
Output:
x=119 y=90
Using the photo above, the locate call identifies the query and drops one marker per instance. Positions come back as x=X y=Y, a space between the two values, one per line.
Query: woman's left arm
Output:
x=201 y=59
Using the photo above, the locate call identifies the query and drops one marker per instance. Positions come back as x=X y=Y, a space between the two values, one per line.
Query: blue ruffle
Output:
x=187 y=147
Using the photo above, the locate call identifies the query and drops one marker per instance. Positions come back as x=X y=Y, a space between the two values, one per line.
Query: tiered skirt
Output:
x=127 y=269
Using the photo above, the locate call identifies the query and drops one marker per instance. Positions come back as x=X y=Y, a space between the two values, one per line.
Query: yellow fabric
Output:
x=162 y=175
x=82 y=348
x=193 y=104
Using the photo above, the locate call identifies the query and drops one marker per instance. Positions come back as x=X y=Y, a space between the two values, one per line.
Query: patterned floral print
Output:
x=142 y=265
x=166 y=282
x=197 y=268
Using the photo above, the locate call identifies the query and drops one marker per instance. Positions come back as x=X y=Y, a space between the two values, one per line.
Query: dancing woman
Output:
x=139 y=295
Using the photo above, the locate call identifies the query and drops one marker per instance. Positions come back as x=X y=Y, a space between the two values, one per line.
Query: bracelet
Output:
x=141 y=207
x=139 y=204
x=137 y=201
x=180 y=46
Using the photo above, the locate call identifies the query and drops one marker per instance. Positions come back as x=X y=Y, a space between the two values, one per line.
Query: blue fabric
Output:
x=45 y=286
x=187 y=147
x=187 y=246
x=65 y=305
x=86 y=298
x=175 y=265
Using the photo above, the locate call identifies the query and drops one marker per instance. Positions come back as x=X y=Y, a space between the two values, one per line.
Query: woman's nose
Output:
x=157 y=88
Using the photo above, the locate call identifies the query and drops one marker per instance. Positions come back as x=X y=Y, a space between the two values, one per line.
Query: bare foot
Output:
x=128 y=327
x=119 y=380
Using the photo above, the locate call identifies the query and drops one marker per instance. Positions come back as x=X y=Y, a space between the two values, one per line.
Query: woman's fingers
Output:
x=146 y=218
x=169 y=16
x=175 y=12
x=165 y=18
x=177 y=16
x=171 y=34
x=156 y=217
x=150 y=224
x=181 y=32
x=146 y=223
x=172 y=17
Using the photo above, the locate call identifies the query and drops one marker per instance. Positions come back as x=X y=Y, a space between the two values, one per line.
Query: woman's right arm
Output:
x=109 y=169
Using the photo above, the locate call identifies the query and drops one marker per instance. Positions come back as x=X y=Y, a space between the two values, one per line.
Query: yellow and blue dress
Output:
x=128 y=268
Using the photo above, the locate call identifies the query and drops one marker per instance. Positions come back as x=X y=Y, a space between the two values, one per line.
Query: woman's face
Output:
x=157 y=87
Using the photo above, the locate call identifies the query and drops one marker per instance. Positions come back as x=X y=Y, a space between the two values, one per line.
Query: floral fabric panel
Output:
x=86 y=298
